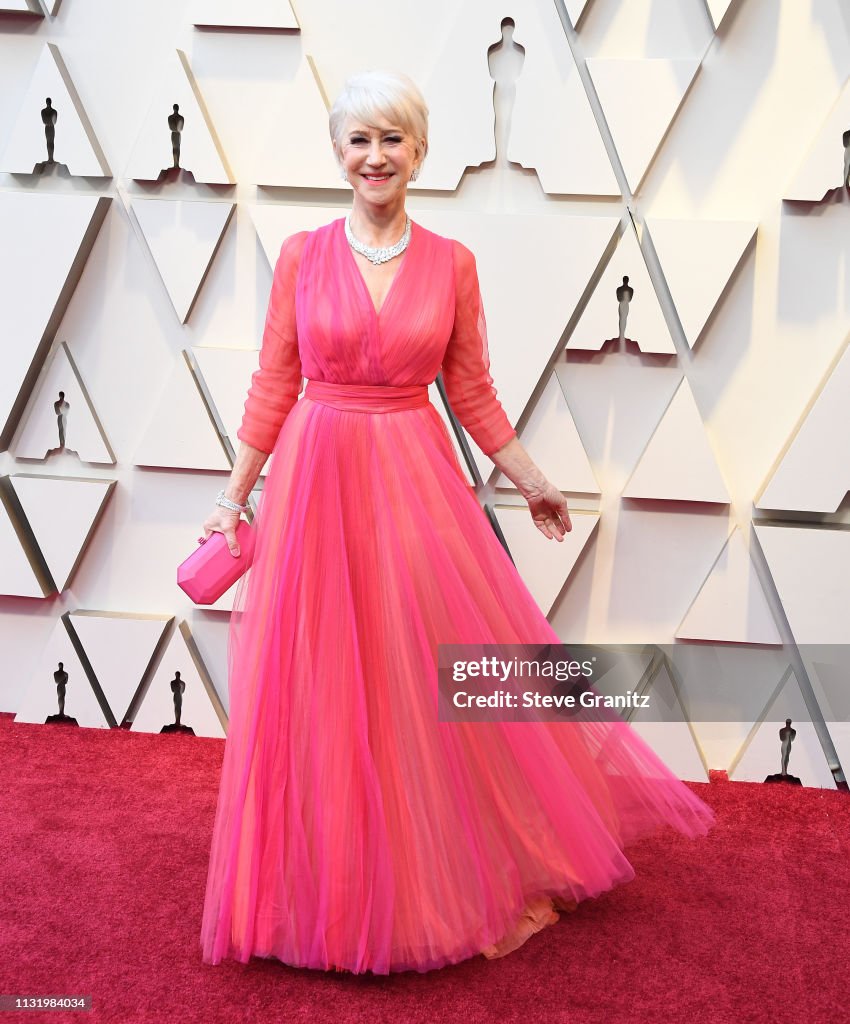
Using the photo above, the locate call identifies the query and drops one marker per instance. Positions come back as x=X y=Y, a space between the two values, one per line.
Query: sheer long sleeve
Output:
x=466 y=363
x=276 y=384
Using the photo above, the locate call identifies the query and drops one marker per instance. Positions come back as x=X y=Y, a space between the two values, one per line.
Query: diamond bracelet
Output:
x=228 y=504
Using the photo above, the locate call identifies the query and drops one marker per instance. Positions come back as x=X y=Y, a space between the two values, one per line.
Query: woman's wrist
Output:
x=232 y=505
x=514 y=461
x=246 y=471
x=533 y=488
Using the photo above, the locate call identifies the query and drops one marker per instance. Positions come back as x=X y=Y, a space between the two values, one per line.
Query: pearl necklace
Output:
x=379 y=254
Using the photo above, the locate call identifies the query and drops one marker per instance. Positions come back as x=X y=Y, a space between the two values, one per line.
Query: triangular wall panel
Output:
x=200 y=150
x=617 y=400
x=45 y=239
x=762 y=753
x=460 y=91
x=201 y=709
x=698 y=259
x=226 y=372
x=645 y=325
x=300 y=113
x=239 y=14
x=717 y=9
x=182 y=238
x=119 y=647
x=544 y=564
x=181 y=433
x=726 y=688
x=40 y=698
x=82 y=431
x=640 y=98
x=575 y=9
x=551 y=439
x=731 y=606
x=223 y=376
x=811 y=569
x=678 y=463
x=21 y=575
x=813 y=474
x=62 y=513
x=75 y=143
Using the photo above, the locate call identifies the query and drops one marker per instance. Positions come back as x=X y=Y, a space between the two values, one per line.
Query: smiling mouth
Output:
x=376 y=177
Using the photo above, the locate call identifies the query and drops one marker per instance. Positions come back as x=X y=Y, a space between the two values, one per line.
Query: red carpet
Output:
x=105 y=839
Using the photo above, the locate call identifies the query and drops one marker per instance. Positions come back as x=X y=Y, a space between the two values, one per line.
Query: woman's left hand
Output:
x=549 y=511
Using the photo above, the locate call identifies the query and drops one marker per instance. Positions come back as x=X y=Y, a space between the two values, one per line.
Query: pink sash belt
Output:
x=367 y=397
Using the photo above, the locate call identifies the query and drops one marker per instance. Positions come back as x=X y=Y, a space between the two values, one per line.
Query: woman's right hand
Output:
x=223 y=520
x=549 y=511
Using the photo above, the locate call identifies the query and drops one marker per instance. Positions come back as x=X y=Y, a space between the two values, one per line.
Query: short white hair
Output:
x=390 y=94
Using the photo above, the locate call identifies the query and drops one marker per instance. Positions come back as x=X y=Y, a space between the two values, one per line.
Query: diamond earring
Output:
x=414 y=174
x=342 y=174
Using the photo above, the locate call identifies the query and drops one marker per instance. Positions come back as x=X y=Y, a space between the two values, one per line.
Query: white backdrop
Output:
x=643 y=142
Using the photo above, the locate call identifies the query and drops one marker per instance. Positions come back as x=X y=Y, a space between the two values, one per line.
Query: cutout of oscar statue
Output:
x=60 y=677
x=625 y=294
x=505 y=60
x=61 y=408
x=49 y=117
x=175 y=125
x=178 y=688
x=786 y=736
x=845 y=140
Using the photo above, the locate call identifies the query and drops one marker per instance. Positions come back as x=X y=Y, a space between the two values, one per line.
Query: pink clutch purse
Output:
x=211 y=569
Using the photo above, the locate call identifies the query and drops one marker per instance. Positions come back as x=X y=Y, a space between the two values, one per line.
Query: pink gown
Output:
x=354 y=828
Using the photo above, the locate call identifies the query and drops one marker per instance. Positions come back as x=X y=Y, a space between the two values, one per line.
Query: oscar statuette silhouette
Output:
x=175 y=125
x=178 y=688
x=60 y=677
x=786 y=736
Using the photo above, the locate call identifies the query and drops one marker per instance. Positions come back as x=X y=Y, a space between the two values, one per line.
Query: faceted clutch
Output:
x=211 y=569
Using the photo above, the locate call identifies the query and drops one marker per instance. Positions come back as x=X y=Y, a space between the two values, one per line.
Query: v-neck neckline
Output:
x=359 y=273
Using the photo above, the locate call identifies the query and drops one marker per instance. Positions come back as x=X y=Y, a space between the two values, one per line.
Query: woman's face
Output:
x=378 y=159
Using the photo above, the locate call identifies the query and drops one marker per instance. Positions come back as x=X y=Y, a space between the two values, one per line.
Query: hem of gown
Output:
x=465 y=951
x=459 y=955
x=569 y=893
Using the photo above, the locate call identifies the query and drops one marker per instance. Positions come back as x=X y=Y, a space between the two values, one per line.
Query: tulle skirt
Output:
x=354 y=828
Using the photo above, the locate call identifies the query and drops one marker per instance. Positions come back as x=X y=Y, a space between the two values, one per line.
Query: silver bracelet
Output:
x=228 y=504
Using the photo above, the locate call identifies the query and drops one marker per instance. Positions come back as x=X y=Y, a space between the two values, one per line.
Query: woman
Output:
x=355 y=830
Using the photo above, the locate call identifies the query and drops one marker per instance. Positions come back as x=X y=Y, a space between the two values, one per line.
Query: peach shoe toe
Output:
x=536 y=916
